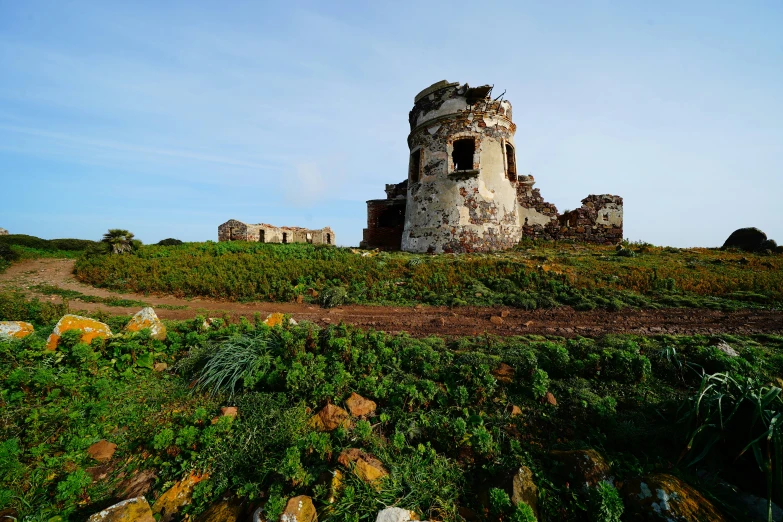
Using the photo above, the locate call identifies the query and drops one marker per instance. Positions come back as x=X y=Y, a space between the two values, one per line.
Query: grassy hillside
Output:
x=454 y=418
x=14 y=247
x=532 y=276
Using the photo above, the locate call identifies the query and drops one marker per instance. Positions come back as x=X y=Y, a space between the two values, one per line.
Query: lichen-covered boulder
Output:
x=277 y=319
x=366 y=467
x=176 y=497
x=299 y=509
x=90 y=329
x=147 y=318
x=584 y=467
x=524 y=490
x=359 y=406
x=330 y=418
x=227 y=510
x=667 y=498
x=395 y=514
x=131 y=510
x=15 y=329
x=748 y=239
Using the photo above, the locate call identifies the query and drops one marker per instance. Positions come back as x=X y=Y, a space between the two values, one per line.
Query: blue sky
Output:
x=168 y=118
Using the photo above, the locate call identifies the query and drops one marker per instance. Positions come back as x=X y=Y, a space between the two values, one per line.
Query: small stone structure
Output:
x=3 y=232
x=233 y=230
x=463 y=192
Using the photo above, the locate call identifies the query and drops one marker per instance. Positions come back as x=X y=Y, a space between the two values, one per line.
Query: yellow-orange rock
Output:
x=504 y=373
x=276 y=319
x=225 y=511
x=147 y=318
x=90 y=329
x=131 y=510
x=15 y=329
x=330 y=418
x=299 y=509
x=366 y=467
x=176 y=497
x=665 y=497
x=359 y=406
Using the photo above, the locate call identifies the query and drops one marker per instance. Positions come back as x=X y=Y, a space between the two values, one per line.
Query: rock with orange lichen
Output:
x=278 y=319
x=667 y=498
x=15 y=329
x=359 y=406
x=366 y=467
x=299 y=509
x=176 y=497
x=330 y=418
x=585 y=467
x=90 y=329
x=131 y=510
x=147 y=318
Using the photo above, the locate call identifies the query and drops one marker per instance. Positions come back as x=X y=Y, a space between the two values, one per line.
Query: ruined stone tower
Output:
x=463 y=193
x=462 y=175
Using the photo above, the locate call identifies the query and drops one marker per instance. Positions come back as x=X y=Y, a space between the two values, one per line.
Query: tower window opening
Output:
x=462 y=154
x=285 y=237
x=511 y=163
x=415 y=166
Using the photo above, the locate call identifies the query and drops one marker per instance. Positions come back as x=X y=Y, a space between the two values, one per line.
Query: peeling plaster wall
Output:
x=463 y=211
x=234 y=230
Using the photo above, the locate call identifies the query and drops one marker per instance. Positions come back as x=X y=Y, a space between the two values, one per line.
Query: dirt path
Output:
x=418 y=321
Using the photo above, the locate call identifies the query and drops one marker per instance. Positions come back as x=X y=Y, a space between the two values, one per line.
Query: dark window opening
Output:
x=261 y=236
x=309 y=237
x=285 y=237
x=392 y=217
x=328 y=239
x=511 y=163
x=462 y=155
x=415 y=166
x=231 y=234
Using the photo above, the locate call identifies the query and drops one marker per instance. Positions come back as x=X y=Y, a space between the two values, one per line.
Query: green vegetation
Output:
x=443 y=429
x=120 y=241
x=14 y=247
x=535 y=275
x=74 y=294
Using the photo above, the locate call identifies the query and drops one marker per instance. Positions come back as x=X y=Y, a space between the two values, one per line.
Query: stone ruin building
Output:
x=233 y=230
x=464 y=193
x=3 y=232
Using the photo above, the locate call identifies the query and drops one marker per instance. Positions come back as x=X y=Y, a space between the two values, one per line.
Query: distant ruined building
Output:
x=233 y=230
x=463 y=192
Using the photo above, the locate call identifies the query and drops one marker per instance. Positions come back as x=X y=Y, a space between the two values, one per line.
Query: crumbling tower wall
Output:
x=462 y=194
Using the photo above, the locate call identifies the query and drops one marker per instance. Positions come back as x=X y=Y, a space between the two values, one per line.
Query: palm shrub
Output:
x=734 y=414
x=120 y=241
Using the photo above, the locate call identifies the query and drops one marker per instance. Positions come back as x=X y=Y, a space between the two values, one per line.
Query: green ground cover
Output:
x=534 y=275
x=443 y=427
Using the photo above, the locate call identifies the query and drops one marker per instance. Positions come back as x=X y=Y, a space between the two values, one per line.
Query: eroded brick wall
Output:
x=386 y=219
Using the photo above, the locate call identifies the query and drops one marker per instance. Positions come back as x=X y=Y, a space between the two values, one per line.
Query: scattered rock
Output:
x=299 y=299
x=131 y=510
x=335 y=485
x=496 y=319
x=585 y=467
x=160 y=367
x=330 y=418
x=504 y=314
x=395 y=514
x=747 y=239
x=209 y=322
x=137 y=485
x=366 y=467
x=515 y=410
x=524 y=490
x=102 y=450
x=176 y=497
x=15 y=329
x=527 y=323
x=299 y=509
x=277 y=319
x=549 y=398
x=90 y=329
x=504 y=373
x=667 y=498
x=229 y=411
x=227 y=510
x=359 y=406
x=147 y=318
x=724 y=347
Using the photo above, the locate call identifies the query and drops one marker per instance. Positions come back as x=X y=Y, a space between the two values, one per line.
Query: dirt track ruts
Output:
x=418 y=321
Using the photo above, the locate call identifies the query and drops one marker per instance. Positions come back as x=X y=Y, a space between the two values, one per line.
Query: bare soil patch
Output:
x=419 y=320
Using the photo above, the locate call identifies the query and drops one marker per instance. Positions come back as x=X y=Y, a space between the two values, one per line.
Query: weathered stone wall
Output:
x=460 y=208
x=234 y=230
x=386 y=219
x=598 y=220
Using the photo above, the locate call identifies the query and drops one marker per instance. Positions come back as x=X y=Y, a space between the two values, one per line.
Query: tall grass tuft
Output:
x=242 y=358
